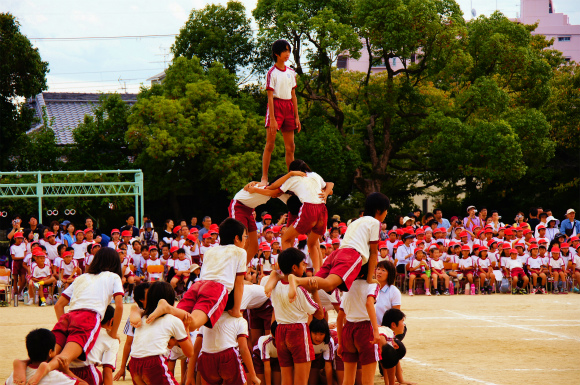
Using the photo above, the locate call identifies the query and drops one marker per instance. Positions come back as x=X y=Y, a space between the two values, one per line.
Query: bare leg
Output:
x=252 y=245
x=368 y=373
x=71 y=351
x=301 y=373
x=314 y=251
x=268 y=149
x=327 y=284
x=288 y=238
x=287 y=375
x=289 y=146
x=349 y=373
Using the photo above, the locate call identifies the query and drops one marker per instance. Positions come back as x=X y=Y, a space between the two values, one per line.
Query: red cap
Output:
x=206 y=235
x=437 y=230
x=115 y=231
x=18 y=235
x=463 y=234
x=67 y=254
x=263 y=243
x=275 y=240
x=520 y=244
x=383 y=245
x=433 y=246
x=507 y=245
x=574 y=238
x=342 y=229
x=126 y=233
x=89 y=231
x=266 y=248
x=38 y=252
x=476 y=247
x=214 y=226
x=513 y=251
x=323 y=245
x=540 y=227
x=79 y=231
x=417 y=250
x=508 y=232
x=420 y=231
x=555 y=249
x=267 y=216
x=49 y=234
x=520 y=228
x=153 y=248
x=176 y=229
x=399 y=244
x=276 y=229
x=534 y=246
x=533 y=240
x=212 y=232
x=542 y=242
x=392 y=232
x=564 y=245
x=488 y=231
x=302 y=237
x=96 y=244
x=268 y=229
x=191 y=237
x=483 y=248
x=465 y=247
x=173 y=249
x=491 y=242
x=420 y=241
x=527 y=231
x=194 y=230
x=335 y=240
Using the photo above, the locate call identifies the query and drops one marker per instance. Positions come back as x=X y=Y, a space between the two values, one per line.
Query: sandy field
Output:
x=461 y=339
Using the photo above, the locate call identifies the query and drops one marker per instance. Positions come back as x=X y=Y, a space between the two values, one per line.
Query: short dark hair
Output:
x=60 y=247
x=294 y=205
x=109 y=314
x=129 y=216
x=391 y=271
x=435 y=211
x=376 y=202
x=299 y=165
x=139 y=293
x=534 y=211
x=229 y=229
x=392 y=316
x=288 y=258
x=280 y=46
x=542 y=215
x=106 y=259
x=320 y=326
x=180 y=251
x=158 y=291
x=39 y=343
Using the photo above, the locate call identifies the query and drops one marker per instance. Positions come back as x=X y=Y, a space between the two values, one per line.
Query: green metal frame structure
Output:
x=41 y=190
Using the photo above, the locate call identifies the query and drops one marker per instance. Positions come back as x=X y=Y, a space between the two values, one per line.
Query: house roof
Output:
x=67 y=110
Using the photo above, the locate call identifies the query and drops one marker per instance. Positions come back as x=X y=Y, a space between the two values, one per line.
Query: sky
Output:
x=123 y=64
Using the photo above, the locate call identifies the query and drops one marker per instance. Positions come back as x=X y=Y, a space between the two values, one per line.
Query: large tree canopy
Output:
x=22 y=75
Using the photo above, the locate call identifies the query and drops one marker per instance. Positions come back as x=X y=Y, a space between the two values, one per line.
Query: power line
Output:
x=107 y=71
x=93 y=81
x=102 y=37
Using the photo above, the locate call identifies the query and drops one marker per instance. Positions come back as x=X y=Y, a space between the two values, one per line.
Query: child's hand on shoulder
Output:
x=236 y=314
x=297 y=173
x=395 y=345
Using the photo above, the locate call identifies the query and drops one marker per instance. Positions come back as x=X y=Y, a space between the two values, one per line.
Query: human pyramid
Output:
x=224 y=328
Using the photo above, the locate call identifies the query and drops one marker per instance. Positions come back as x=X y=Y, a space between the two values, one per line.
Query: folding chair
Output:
x=153 y=269
x=6 y=285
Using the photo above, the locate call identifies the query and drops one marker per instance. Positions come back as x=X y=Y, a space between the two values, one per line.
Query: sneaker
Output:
x=427 y=293
x=411 y=292
x=533 y=291
x=542 y=290
x=21 y=297
x=446 y=292
x=55 y=298
x=30 y=302
x=576 y=290
x=36 y=285
x=555 y=291
x=42 y=302
x=514 y=291
x=489 y=290
x=523 y=291
x=437 y=292
x=49 y=300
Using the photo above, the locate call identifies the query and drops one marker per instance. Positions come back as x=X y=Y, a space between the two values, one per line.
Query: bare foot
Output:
x=19 y=376
x=42 y=371
x=292 y=287
x=161 y=309
x=263 y=182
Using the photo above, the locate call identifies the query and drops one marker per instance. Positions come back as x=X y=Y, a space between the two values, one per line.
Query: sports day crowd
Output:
x=248 y=300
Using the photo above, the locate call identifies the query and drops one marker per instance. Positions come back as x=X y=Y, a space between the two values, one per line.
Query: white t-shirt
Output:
x=266 y=347
x=402 y=252
x=248 y=199
x=93 y=291
x=41 y=272
x=137 y=259
x=390 y=245
x=437 y=265
x=557 y=263
x=295 y=312
x=577 y=262
x=329 y=300
x=387 y=333
x=18 y=252
x=484 y=263
x=466 y=263
x=80 y=250
x=125 y=265
x=327 y=350
x=360 y=234
x=51 y=251
x=354 y=301
x=114 y=245
x=281 y=82
x=222 y=264
x=224 y=334
x=305 y=188
x=534 y=263
x=204 y=249
x=104 y=353
x=70 y=268
x=180 y=265
x=151 y=339
x=52 y=378
x=513 y=264
x=253 y=297
x=389 y=296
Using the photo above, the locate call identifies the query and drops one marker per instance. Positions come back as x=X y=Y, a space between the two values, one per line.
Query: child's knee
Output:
x=290 y=146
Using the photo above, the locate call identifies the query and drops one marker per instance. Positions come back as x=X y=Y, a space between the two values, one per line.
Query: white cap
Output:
x=570 y=211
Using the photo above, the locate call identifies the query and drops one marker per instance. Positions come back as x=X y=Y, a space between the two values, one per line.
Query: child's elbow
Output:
x=187 y=348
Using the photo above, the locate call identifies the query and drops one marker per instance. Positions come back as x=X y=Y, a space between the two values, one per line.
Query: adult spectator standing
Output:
x=483 y=216
x=146 y=218
x=471 y=220
x=442 y=222
x=130 y=220
x=206 y=225
x=533 y=221
x=167 y=233
x=570 y=226
x=193 y=224
x=495 y=223
x=16 y=227
x=455 y=223
x=35 y=228
x=90 y=224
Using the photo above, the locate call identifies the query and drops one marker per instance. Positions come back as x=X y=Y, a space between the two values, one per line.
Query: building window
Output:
x=394 y=61
x=413 y=58
x=567 y=59
x=425 y=205
x=550 y=7
x=341 y=61
x=563 y=38
x=378 y=62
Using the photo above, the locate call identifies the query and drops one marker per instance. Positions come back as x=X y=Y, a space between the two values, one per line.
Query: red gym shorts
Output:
x=243 y=213
x=152 y=368
x=284 y=114
x=89 y=374
x=312 y=217
x=208 y=296
x=224 y=367
x=261 y=318
x=291 y=218
x=259 y=364
x=345 y=263
x=416 y=273
x=18 y=267
x=357 y=345
x=80 y=326
x=293 y=344
x=517 y=272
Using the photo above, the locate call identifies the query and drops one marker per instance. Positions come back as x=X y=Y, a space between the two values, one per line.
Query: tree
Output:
x=102 y=136
x=217 y=34
x=185 y=133
x=22 y=75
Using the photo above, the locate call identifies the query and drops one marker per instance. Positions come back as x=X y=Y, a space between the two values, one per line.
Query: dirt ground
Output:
x=493 y=340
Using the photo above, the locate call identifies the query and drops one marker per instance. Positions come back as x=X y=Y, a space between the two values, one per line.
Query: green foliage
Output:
x=22 y=75
x=217 y=34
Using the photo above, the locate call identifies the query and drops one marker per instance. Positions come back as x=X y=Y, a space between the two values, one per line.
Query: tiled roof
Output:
x=68 y=109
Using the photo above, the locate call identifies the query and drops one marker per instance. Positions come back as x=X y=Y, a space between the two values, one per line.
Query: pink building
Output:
x=552 y=25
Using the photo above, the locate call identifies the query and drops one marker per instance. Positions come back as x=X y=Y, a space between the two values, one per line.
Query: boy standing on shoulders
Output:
x=282 y=111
